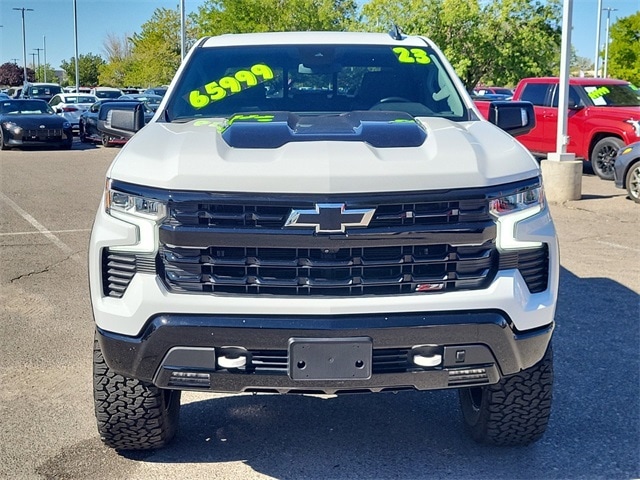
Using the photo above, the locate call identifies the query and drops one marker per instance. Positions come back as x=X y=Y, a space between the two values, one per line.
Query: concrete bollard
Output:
x=562 y=177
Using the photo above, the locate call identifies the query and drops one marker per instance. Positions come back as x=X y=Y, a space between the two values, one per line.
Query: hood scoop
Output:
x=379 y=129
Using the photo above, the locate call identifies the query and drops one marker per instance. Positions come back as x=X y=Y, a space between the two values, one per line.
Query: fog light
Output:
x=190 y=379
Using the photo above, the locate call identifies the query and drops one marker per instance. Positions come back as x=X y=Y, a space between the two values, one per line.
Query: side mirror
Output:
x=123 y=121
x=515 y=118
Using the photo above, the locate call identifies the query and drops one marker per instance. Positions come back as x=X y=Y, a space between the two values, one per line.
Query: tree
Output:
x=624 y=49
x=51 y=74
x=119 y=60
x=89 y=66
x=487 y=41
x=579 y=64
x=215 y=17
x=12 y=74
x=155 y=50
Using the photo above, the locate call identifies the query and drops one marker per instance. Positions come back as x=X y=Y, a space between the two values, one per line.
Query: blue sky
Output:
x=98 y=18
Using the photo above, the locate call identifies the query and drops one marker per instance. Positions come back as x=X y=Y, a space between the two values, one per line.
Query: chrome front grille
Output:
x=273 y=215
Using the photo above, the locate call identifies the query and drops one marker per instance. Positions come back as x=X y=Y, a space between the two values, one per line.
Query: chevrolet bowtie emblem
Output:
x=330 y=217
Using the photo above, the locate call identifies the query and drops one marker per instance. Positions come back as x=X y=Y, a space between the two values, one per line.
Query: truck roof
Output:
x=310 y=38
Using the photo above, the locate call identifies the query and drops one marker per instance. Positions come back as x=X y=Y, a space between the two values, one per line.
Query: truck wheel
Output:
x=633 y=182
x=106 y=141
x=603 y=156
x=131 y=414
x=515 y=411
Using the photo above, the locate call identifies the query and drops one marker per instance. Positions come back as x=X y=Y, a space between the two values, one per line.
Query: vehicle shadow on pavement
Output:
x=593 y=430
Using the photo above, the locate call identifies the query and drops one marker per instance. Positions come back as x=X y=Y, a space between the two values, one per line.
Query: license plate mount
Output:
x=330 y=358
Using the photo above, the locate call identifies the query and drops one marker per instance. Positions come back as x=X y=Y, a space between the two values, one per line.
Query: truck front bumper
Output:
x=228 y=353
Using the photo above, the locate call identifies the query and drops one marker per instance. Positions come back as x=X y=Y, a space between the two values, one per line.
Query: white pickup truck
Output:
x=322 y=213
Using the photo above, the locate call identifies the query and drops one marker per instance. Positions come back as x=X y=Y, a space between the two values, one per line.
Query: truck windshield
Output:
x=613 y=95
x=314 y=79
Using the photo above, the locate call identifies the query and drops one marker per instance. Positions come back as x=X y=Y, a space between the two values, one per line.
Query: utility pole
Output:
x=39 y=75
x=606 y=43
x=24 y=43
x=33 y=61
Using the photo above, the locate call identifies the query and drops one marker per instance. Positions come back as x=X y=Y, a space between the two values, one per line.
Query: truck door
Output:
x=538 y=94
x=574 y=129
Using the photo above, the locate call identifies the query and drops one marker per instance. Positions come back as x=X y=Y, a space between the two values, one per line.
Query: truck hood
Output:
x=202 y=155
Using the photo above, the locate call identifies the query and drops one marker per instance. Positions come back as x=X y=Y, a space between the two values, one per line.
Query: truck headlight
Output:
x=518 y=201
x=117 y=202
x=513 y=211
x=635 y=124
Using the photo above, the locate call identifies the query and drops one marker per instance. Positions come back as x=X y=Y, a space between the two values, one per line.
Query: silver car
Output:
x=71 y=105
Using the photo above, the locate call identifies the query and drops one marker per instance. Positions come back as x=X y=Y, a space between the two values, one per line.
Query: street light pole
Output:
x=606 y=43
x=75 y=34
x=44 y=51
x=24 y=44
x=182 y=31
x=596 y=59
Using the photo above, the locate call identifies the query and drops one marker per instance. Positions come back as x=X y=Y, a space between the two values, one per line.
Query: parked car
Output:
x=156 y=91
x=106 y=92
x=15 y=92
x=71 y=105
x=41 y=91
x=604 y=115
x=32 y=123
x=503 y=91
x=626 y=171
x=149 y=99
x=88 y=124
x=132 y=90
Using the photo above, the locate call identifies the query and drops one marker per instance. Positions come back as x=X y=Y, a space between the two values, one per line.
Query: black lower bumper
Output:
x=184 y=351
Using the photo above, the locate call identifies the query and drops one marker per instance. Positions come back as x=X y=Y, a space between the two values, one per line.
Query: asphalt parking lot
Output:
x=47 y=204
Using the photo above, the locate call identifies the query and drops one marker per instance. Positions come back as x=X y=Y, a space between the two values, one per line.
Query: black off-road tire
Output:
x=515 y=411
x=131 y=414
x=603 y=156
x=632 y=182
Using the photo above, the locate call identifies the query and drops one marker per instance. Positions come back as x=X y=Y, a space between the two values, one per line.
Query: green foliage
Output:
x=216 y=17
x=51 y=74
x=624 y=49
x=89 y=66
x=495 y=42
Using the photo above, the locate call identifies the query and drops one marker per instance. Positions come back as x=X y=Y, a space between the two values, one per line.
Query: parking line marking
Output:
x=42 y=229
x=78 y=230
x=623 y=247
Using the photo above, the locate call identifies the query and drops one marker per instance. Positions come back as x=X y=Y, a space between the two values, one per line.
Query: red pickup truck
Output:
x=604 y=115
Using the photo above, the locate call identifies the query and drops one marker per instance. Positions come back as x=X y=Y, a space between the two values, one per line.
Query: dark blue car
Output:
x=626 y=170
x=32 y=123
